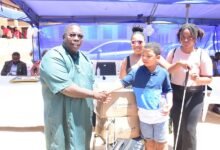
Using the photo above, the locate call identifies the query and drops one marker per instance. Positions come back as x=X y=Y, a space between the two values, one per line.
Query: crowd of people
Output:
x=67 y=79
x=12 y=32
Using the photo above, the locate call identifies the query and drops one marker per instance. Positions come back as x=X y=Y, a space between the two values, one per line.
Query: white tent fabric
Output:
x=13 y=14
x=85 y=11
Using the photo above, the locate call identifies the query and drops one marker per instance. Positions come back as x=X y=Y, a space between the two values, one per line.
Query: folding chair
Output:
x=211 y=96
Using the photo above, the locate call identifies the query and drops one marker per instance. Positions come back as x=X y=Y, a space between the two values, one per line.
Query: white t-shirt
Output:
x=200 y=61
x=153 y=116
x=13 y=70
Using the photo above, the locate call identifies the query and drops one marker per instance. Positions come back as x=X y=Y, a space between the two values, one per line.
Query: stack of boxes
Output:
x=117 y=118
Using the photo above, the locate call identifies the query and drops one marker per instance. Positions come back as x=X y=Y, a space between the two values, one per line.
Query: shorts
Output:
x=157 y=132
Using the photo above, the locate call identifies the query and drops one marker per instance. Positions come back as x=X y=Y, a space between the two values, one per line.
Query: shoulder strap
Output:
x=173 y=54
x=200 y=61
x=128 y=66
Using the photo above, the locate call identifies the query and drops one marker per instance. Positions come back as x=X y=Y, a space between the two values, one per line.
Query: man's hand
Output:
x=102 y=96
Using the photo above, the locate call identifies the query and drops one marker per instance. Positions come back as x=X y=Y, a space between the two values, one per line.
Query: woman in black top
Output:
x=133 y=60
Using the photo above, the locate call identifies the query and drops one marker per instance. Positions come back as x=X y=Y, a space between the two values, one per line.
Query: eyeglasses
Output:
x=137 y=42
x=80 y=36
x=182 y=38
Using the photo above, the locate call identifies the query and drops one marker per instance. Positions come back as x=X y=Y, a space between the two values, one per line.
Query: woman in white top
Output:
x=188 y=58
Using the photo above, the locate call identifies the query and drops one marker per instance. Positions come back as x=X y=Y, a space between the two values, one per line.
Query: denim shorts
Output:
x=157 y=132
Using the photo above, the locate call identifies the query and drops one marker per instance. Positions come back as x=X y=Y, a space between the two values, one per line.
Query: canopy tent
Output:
x=121 y=11
x=97 y=14
x=6 y=12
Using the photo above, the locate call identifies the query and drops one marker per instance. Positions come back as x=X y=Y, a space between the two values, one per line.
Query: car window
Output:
x=124 y=47
x=110 y=47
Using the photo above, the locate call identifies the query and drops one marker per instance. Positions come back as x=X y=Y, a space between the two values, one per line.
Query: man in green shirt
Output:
x=67 y=80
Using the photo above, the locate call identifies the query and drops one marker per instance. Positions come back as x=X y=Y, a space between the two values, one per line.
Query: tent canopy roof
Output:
x=6 y=12
x=107 y=11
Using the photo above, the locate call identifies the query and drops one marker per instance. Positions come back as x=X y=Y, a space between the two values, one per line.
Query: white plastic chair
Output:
x=211 y=96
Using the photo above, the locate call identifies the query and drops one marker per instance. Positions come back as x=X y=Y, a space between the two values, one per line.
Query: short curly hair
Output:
x=155 y=47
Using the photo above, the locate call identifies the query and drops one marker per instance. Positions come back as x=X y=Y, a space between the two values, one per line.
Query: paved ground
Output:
x=33 y=138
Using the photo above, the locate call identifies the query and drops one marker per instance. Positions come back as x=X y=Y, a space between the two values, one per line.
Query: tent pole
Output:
x=187 y=13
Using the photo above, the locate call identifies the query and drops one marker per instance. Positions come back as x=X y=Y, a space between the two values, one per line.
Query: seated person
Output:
x=14 y=67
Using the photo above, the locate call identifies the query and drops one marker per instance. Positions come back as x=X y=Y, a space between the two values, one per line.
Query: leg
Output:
x=193 y=113
x=175 y=118
x=161 y=145
x=150 y=145
x=161 y=135
x=147 y=134
x=175 y=114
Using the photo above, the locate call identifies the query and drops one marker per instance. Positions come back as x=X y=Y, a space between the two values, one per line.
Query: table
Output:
x=21 y=103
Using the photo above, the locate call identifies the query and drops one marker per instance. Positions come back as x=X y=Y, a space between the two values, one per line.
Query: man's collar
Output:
x=74 y=55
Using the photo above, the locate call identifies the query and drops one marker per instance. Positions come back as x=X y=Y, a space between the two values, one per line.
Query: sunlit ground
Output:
x=33 y=138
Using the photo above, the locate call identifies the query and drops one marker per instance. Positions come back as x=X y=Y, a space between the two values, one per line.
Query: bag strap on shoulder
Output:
x=173 y=53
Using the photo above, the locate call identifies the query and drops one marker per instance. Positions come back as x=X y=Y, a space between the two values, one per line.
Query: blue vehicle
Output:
x=111 y=50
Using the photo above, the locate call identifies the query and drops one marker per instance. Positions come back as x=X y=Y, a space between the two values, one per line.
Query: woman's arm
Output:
x=123 y=71
x=201 y=80
x=164 y=63
x=177 y=65
x=171 y=67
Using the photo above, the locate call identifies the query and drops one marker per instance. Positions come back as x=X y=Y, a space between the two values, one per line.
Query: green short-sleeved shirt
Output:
x=68 y=121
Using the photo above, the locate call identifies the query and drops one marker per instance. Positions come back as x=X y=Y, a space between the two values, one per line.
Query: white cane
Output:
x=182 y=107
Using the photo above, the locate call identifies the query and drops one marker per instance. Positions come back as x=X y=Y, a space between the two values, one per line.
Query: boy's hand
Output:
x=166 y=110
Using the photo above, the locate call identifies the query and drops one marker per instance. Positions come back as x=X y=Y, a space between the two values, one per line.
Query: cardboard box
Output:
x=119 y=127
x=123 y=103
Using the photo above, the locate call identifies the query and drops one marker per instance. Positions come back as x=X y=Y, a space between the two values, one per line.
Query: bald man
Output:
x=67 y=79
